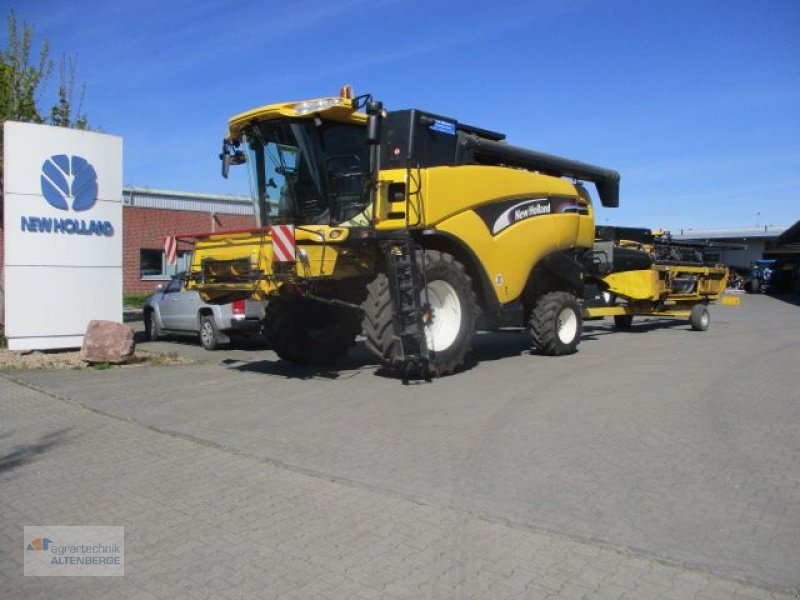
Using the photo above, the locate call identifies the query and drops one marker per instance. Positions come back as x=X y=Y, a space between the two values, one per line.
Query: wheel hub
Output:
x=206 y=333
x=444 y=322
x=566 y=325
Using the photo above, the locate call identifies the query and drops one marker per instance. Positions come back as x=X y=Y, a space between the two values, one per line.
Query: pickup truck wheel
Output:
x=309 y=332
x=555 y=324
x=449 y=327
x=209 y=336
x=151 y=329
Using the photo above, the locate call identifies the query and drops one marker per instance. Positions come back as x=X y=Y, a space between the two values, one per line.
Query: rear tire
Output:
x=449 y=333
x=699 y=318
x=209 y=335
x=307 y=332
x=623 y=321
x=555 y=324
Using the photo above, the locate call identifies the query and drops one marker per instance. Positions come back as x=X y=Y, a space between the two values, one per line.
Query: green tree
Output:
x=22 y=80
x=66 y=113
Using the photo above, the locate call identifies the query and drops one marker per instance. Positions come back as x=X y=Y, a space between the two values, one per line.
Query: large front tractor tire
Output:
x=449 y=325
x=555 y=323
x=308 y=332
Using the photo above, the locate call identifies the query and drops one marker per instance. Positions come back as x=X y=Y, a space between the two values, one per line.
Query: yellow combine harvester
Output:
x=406 y=226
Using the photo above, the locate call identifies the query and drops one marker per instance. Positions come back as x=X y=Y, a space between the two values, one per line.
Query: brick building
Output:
x=150 y=215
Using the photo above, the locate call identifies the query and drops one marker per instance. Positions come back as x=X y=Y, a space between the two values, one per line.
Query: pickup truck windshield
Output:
x=307 y=173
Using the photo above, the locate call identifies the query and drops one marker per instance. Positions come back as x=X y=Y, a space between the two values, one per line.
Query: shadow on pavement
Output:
x=497 y=345
x=788 y=298
x=488 y=346
x=346 y=367
x=592 y=332
x=249 y=344
x=284 y=369
x=23 y=454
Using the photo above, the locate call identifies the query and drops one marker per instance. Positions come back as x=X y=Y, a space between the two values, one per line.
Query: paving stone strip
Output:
x=204 y=522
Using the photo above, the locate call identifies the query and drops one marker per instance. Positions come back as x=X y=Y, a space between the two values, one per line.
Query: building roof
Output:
x=764 y=231
x=791 y=235
x=143 y=197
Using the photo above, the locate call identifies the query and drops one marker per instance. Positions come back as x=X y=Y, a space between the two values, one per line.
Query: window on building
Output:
x=153 y=264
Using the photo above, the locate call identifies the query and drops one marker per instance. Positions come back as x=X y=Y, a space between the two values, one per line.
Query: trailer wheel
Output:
x=307 y=332
x=450 y=328
x=555 y=324
x=699 y=317
x=623 y=321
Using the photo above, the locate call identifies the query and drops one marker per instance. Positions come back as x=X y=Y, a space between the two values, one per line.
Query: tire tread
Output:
x=542 y=323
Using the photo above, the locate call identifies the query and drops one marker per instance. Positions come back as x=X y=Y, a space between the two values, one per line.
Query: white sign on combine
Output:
x=63 y=234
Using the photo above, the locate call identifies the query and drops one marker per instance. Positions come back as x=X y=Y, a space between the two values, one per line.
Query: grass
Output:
x=136 y=300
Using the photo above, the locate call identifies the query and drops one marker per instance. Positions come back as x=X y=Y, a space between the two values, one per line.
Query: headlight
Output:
x=312 y=106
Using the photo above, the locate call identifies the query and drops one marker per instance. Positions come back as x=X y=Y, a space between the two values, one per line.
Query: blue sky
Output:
x=696 y=103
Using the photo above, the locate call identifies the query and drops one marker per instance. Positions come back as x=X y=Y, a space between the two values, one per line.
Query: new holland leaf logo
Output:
x=69 y=182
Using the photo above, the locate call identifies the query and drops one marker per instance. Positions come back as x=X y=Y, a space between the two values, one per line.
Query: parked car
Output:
x=175 y=310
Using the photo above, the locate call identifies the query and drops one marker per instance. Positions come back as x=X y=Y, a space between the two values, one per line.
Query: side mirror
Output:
x=160 y=287
x=374 y=122
x=226 y=163
x=229 y=156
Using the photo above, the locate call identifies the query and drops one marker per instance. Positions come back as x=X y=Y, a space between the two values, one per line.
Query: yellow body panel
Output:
x=318 y=255
x=646 y=288
x=636 y=285
x=509 y=257
x=437 y=193
x=443 y=199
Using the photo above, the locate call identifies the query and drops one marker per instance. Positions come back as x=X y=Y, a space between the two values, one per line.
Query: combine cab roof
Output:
x=333 y=109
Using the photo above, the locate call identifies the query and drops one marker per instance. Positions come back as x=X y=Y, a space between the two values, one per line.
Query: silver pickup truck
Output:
x=174 y=309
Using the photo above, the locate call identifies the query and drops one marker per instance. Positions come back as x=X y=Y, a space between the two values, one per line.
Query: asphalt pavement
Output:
x=658 y=457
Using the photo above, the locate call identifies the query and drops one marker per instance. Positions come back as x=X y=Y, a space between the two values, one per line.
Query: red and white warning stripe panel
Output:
x=283 y=243
x=171 y=250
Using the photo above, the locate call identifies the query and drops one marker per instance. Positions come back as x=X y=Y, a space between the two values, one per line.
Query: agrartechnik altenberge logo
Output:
x=70 y=551
x=69 y=183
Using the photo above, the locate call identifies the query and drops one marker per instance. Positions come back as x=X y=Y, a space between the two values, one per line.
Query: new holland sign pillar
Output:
x=63 y=234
